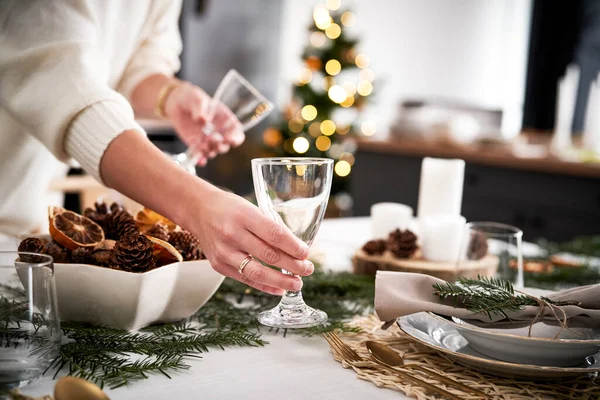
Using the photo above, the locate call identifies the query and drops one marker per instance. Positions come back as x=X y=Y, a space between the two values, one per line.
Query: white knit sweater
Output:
x=66 y=70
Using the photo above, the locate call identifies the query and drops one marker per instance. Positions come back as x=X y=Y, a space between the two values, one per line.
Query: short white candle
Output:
x=387 y=217
x=441 y=237
x=441 y=187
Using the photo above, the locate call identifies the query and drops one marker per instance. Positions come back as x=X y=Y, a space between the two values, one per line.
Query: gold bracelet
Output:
x=162 y=98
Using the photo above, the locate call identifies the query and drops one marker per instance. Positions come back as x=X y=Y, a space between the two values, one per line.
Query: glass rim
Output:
x=233 y=74
x=48 y=258
x=291 y=160
x=488 y=226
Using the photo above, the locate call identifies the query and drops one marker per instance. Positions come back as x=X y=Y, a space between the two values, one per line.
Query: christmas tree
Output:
x=322 y=118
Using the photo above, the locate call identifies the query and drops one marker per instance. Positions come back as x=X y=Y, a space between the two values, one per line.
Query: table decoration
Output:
x=417 y=353
x=386 y=217
x=442 y=237
x=441 y=187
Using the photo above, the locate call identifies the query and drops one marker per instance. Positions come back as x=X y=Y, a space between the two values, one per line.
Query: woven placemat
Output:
x=414 y=352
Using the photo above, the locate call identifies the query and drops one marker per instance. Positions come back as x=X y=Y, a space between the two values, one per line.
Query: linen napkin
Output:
x=401 y=293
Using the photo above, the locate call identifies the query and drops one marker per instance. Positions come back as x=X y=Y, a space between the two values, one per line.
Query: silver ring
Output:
x=244 y=263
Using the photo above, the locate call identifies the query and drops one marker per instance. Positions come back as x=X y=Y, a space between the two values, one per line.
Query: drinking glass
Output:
x=293 y=192
x=499 y=240
x=30 y=332
x=244 y=100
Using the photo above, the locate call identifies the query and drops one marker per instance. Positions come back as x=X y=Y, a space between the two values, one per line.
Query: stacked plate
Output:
x=508 y=350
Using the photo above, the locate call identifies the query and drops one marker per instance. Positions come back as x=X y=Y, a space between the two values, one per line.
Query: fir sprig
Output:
x=489 y=296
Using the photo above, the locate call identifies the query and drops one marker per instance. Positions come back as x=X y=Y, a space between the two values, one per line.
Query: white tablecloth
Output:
x=293 y=367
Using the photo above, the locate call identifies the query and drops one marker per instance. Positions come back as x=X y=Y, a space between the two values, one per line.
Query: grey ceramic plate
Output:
x=443 y=337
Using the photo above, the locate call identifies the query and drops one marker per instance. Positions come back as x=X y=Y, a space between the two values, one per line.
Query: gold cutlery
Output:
x=352 y=356
x=388 y=356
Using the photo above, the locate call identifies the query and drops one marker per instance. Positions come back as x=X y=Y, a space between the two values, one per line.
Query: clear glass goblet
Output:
x=293 y=192
x=244 y=100
x=30 y=334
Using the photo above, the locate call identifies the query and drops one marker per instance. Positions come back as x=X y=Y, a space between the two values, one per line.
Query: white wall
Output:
x=473 y=51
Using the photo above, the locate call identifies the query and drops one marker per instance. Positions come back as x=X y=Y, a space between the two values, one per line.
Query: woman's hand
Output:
x=231 y=228
x=187 y=107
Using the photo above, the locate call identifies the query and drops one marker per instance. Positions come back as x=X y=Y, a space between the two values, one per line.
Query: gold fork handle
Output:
x=448 y=381
x=416 y=381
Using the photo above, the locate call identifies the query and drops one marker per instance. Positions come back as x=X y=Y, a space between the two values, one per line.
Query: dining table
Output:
x=290 y=367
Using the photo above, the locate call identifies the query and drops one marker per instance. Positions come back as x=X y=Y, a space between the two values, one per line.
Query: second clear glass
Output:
x=293 y=192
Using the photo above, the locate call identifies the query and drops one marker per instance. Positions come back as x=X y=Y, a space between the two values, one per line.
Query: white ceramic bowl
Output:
x=130 y=301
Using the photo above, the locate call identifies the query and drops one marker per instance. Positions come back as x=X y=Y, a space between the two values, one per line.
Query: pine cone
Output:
x=133 y=253
x=81 y=256
x=32 y=245
x=99 y=215
x=159 y=231
x=402 y=244
x=187 y=244
x=58 y=253
x=120 y=223
x=478 y=246
x=373 y=247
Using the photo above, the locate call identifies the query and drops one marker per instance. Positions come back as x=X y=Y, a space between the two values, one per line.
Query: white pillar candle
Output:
x=441 y=187
x=441 y=237
x=387 y=217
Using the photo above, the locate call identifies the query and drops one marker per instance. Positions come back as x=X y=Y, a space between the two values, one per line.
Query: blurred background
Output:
x=379 y=84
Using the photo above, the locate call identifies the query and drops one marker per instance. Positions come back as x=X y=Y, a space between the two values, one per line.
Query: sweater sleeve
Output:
x=159 y=49
x=53 y=80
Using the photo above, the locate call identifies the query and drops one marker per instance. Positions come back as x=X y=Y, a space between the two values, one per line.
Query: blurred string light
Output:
x=333 y=31
x=318 y=39
x=348 y=157
x=333 y=4
x=368 y=128
x=323 y=143
x=336 y=150
x=321 y=17
x=337 y=94
x=309 y=112
x=362 y=60
x=366 y=75
x=305 y=76
x=343 y=130
x=348 y=18
x=343 y=168
x=315 y=129
x=296 y=125
x=350 y=88
x=288 y=145
x=328 y=127
x=272 y=137
x=349 y=102
x=333 y=67
x=364 y=88
x=301 y=145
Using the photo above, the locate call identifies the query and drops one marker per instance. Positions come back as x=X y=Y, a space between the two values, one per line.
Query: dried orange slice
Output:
x=52 y=211
x=74 y=231
x=146 y=219
x=164 y=252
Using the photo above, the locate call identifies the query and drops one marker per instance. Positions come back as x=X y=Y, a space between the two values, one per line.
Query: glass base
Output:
x=292 y=317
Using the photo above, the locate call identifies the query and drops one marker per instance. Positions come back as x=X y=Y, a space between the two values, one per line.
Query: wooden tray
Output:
x=367 y=264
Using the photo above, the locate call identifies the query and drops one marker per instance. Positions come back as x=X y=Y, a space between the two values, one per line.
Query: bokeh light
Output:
x=364 y=88
x=336 y=150
x=323 y=143
x=368 y=128
x=362 y=60
x=333 y=31
x=296 y=125
x=328 y=82
x=337 y=94
x=321 y=17
x=348 y=102
x=288 y=145
x=348 y=157
x=305 y=76
x=318 y=39
x=272 y=137
x=343 y=130
x=309 y=112
x=314 y=129
x=350 y=88
x=348 y=18
x=333 y=67
x=342 y=168
x=328 y=127
x=301 y=145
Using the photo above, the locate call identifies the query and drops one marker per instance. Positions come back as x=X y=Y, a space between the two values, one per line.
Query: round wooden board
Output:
x=367 y=264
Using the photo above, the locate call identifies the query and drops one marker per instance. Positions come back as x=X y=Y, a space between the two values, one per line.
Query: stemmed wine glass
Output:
x=244 y=100
x=293 y=192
